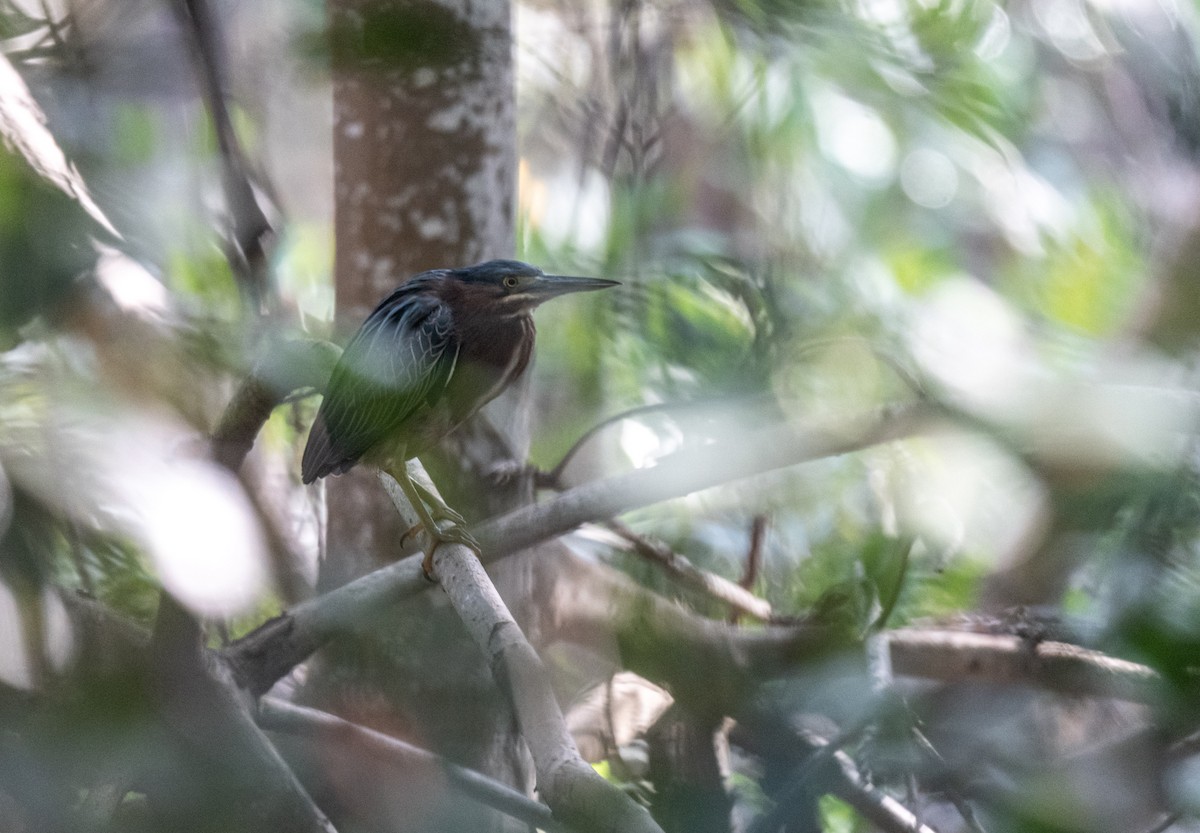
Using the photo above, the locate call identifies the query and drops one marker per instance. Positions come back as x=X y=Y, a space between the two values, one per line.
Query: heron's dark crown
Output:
x=502 y=289
x=495 y=271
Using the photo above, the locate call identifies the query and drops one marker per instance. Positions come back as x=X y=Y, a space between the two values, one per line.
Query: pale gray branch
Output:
x=575 y=792
x=956 y=656
x=266 y=654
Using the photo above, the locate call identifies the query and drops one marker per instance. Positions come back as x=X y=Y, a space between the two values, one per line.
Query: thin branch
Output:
x=682 y=473
x=1059 y=666
x=205 y=710
x=873 y=804
x=576 y=792
x=266 y=654
x=826 y=769
x=280 y=716
x=251 y=231
x=688 y=574
x=711 y=667
x=964 y=808
x=758 y=534
x=284 y=367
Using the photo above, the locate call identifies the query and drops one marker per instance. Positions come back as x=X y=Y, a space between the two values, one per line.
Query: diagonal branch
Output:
x=201 y=700
x=718 y=587
x=573 y=790
x=251 y=230
x=263 y=656
x=207 y=712
x=280 y=716
x=722 y=461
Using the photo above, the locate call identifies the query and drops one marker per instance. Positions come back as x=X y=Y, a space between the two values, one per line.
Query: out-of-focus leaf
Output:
x=23 y=127
x=885 y=567
x=47 y=216
x=837 y=816
x=409 y=36
x=133 y=475
x=699 y=331
x=1087 y=283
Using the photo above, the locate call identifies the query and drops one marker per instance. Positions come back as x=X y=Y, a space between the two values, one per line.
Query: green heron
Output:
x=440 y=347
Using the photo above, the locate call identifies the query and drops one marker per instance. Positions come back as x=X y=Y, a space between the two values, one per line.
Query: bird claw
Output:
x=453 y=534
x=448 y=515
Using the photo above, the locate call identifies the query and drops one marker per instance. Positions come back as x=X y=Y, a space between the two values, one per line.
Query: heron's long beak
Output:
x=551 y=286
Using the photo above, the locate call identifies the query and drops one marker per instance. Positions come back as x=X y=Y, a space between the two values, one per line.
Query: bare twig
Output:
x=872 y=804
x=719 y=588
x=758 y=533
x=829 y=769
x=964 y=808
x=280 y=716
x=251 y=231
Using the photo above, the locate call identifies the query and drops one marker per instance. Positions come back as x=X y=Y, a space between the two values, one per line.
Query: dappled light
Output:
x=864 y=497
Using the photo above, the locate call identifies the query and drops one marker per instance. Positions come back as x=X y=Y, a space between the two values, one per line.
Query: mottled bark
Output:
x=424 y=177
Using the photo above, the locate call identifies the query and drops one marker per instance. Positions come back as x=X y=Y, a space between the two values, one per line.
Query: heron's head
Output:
x=508 y=287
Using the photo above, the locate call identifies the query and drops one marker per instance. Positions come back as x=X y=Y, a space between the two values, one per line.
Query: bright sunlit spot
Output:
x=855 y=136
x=133 y=288
x=968 y=338
x=963 y=493
x=1066 y=23
x=144 y=477
x=201 y=532
x=929 y=178
x=995 y=37
x=1021 y=202
x=641 y=444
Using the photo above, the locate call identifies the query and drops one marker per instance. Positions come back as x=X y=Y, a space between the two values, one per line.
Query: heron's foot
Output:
x=439 y=515
x=453 y=534
x=444 y=514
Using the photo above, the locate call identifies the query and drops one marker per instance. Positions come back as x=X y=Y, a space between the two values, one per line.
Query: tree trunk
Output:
x=425 y=160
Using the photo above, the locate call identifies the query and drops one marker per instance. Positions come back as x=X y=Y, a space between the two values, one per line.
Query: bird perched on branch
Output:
x=435 y=351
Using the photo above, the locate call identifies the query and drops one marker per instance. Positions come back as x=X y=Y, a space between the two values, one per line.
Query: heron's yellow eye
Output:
x=510 y=282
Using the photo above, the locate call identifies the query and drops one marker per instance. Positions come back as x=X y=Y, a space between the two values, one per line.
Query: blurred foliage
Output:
x=43 y=245
x=817 y=209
